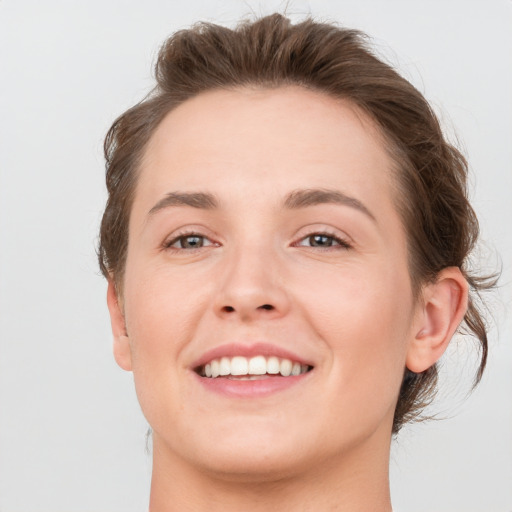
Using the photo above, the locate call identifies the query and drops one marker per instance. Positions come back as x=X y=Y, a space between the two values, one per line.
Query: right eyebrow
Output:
x=303 y=198
x=201 y=200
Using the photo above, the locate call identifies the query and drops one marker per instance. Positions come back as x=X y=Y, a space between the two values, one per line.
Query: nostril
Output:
x=231 y=309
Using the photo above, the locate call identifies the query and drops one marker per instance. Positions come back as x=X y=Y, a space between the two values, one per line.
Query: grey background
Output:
x=71 y=434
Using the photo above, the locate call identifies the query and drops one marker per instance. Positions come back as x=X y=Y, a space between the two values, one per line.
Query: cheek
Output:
x=163 y=307
x=160 y=317
x=364 y=318
x=362 y=298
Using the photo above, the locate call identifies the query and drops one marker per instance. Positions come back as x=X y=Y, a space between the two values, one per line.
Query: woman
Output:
x=285 y=242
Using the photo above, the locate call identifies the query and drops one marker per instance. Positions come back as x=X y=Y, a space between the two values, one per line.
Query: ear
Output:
x=122 y=349
x=444 y=305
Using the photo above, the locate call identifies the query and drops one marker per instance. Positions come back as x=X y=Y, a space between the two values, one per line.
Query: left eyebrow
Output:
x=303 y=198
x=201 y=200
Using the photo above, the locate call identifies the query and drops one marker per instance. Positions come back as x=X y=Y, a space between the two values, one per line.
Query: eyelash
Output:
x=183 y=236
x=340 y=242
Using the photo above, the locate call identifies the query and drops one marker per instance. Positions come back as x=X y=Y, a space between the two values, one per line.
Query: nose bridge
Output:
x=251 y=285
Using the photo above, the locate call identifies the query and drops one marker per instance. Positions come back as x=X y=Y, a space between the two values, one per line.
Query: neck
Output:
x=357 y=483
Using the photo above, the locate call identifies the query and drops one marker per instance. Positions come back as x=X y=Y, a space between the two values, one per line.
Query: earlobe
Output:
x=444 y=306
x=121 y=342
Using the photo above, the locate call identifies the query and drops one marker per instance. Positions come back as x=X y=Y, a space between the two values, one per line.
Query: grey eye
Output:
x=323 y=241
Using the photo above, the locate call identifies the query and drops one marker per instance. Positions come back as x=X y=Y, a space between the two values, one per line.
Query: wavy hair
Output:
x=431 y=174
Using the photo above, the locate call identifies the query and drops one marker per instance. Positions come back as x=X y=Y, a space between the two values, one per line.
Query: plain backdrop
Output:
x=72 y=438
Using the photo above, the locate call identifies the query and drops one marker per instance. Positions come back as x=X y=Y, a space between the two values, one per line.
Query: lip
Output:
x=250 y=388
x=259 y=388
x=248 y=350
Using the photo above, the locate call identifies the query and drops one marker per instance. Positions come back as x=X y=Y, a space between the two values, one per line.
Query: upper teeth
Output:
x=258 y=365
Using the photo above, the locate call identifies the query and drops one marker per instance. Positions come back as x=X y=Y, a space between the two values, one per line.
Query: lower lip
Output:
x=251 y=388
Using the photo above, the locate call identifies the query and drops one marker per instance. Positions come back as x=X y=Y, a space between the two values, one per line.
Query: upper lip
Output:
x=248 y=350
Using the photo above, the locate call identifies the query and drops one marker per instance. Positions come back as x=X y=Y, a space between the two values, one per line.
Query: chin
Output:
x=234 y=452
x=253 y=464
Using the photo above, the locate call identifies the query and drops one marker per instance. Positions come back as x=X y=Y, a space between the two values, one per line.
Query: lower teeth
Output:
x=248 y=377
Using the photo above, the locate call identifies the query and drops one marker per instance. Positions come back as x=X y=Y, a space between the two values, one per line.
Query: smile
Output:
x=251 y=368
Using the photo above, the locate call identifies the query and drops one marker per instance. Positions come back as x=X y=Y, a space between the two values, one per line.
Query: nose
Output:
x=252 y=288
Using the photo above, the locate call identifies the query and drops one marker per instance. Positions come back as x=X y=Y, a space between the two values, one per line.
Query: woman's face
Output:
x=264 y=238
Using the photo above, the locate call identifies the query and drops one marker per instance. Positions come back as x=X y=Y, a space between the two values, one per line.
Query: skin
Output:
x=348 y=308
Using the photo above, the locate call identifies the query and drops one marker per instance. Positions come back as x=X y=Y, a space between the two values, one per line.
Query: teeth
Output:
x=273 y=365
x=244 y=368
x=248 y=377
x=285 y=369
x=295 y=369
x=225 y=366
x=215 y=368
x=257 y=365
x=239 y=366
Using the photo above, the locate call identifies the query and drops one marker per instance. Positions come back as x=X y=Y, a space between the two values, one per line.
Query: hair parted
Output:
x=270 y=52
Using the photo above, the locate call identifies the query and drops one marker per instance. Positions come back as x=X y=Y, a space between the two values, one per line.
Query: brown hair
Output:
x=271 y=52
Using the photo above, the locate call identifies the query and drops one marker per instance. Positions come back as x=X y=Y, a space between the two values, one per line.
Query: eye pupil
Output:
x=191 y=242
x=320 y=241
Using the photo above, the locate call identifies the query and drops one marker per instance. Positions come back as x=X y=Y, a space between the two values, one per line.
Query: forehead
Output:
x=267 y=140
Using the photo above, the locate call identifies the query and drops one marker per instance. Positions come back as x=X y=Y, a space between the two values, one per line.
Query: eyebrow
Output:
x=200 y=200
x=311 y=197
x=301 y=198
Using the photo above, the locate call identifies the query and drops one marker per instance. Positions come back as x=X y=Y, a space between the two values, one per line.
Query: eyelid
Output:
x=339 y=242
x=188 y=232
x=174 y=241
x=343 y=240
